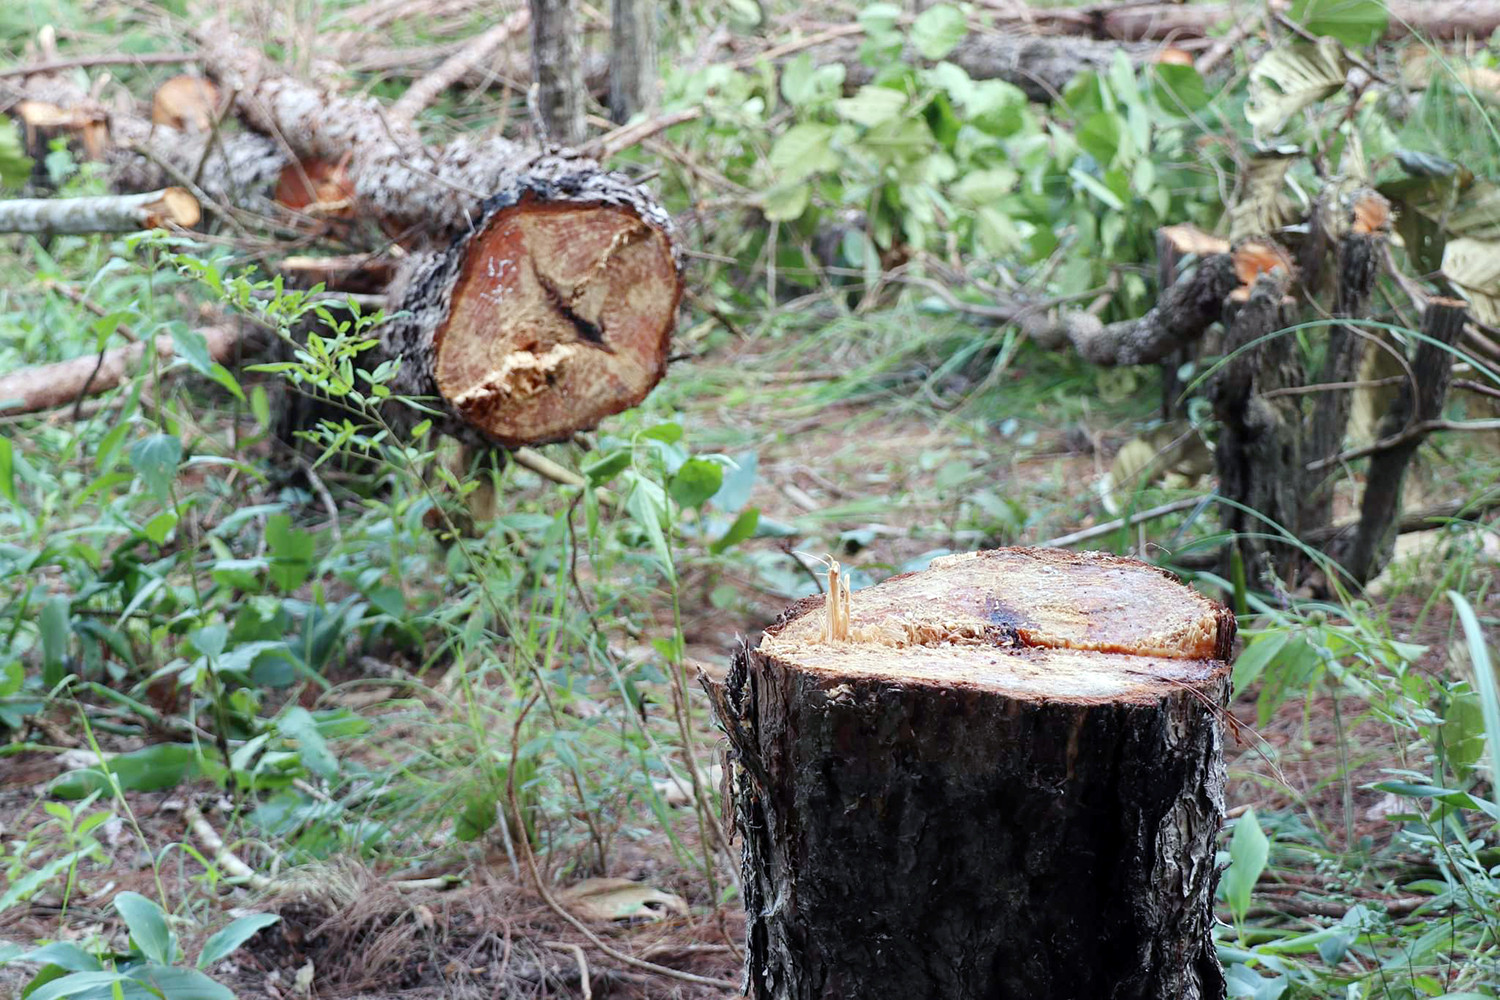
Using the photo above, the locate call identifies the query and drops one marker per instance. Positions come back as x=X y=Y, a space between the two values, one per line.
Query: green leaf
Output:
x=785 y=202
x=8 y=471
x=738 y=482
x=77 y=983
x=148 y=927
x=297 y=723
x=879 y=18
x=1253 y=659
x=1096 y=188
x=803 y=84
x=64 y=954
x=160 y=526
x=937 y=30
x=54 y=621
x=228 y=940
x=985 y=187
x=1248 y=851
x=803 y=150
x=1100 y=136
x=23 y=887
x=15 y=165
x=1484 y=677
x=742 y=528
x=155 y=460
x=1354 y=22
x=291 y=552
x=696 y=482
x=150 y=769
x=606 y=468
x=1178 y=89
x=871 y=106
x=12 y=676
x=181 y=984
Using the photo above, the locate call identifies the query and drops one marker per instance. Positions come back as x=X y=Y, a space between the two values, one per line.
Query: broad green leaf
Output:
x=476 y=817
x=77 y=983
x=33 y=880
x=604 y=469
x=54 y=622
x=150 y=769
x=148 y=927
x=1096 y=188
x=64 y=954
x=738 y=482
x=1179 y=89
x=12 y=676
x=1286 y=80
x=298 y=724
x=879 y=18
x=1255 y=656
x=985 y=187
x=1248 y=851
x=785 y=202
x=696 y=482
x=1354 y=22
x=803 y=84
x=803 y=150
x=1463 y=732
x=228 y=940
x=174 y=983
x=1100 y=136
x=155 y=459
x=871 y=105
x=742 y=528
x=291 y=551
x=159 y=527
x=937 y=30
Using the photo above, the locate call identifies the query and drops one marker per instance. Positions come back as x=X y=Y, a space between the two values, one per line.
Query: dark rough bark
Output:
x=913 y=833
x=1181 y=316
x=1041 y=66
x=1258 y=453
x=555 y=336
x=632 y=68
x=1380 y=508
x=556 y=70
x=1357 y=263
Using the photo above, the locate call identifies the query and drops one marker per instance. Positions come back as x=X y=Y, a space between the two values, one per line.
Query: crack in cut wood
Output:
x=589 y=332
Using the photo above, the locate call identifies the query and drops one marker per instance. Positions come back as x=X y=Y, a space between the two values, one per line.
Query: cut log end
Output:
x=175 y=207
x=1030 y=624
x=562 y=315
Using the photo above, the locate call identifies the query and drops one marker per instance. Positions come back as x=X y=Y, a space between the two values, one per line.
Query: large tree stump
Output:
x=1001 y=778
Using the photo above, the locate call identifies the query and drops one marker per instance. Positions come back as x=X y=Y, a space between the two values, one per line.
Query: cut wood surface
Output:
x=999 y=777
x=119 y=213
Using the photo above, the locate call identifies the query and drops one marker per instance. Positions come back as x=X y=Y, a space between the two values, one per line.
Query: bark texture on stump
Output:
x=1001 y=777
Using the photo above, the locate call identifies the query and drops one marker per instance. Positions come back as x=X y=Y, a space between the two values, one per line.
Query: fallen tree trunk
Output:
x=1000 y=777
x=117 y=213
x=48 y=386
x=1450 y=19
x=554 y=300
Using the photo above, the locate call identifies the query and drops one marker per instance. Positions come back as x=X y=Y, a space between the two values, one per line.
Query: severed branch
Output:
x=171 y=207
x=47 y=386
x=453 y=69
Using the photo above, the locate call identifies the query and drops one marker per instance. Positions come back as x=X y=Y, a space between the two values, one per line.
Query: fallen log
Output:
x=171 y=207
x=1139 y=22
x=553 y=301
x=1000 y=777
x=45 y=387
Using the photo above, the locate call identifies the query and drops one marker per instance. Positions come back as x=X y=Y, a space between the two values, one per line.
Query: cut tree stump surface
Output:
x=1000 y=777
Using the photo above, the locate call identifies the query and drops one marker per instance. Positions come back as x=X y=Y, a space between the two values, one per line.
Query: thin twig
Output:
x=1150 y=514
x=426 y=90
x=222 y=855
x=584 y=983
x=101 y=59
x=1412 y=433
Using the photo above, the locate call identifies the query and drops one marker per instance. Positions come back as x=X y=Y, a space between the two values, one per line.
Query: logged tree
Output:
x=999 y=777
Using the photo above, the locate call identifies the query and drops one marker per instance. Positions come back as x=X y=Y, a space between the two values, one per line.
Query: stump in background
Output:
x=1001 y=777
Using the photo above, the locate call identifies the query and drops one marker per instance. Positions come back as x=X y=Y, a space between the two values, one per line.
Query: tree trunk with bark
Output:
x=1000 y=777
x=119 y=213
x=557 y=70
x=553 y=299
x=1431 y=371
x=632 y=67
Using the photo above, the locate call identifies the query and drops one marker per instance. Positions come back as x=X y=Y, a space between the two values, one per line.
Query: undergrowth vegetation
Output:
x=359 y=642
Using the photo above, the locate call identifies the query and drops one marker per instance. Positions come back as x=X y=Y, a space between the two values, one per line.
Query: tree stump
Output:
x=1001 y=778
